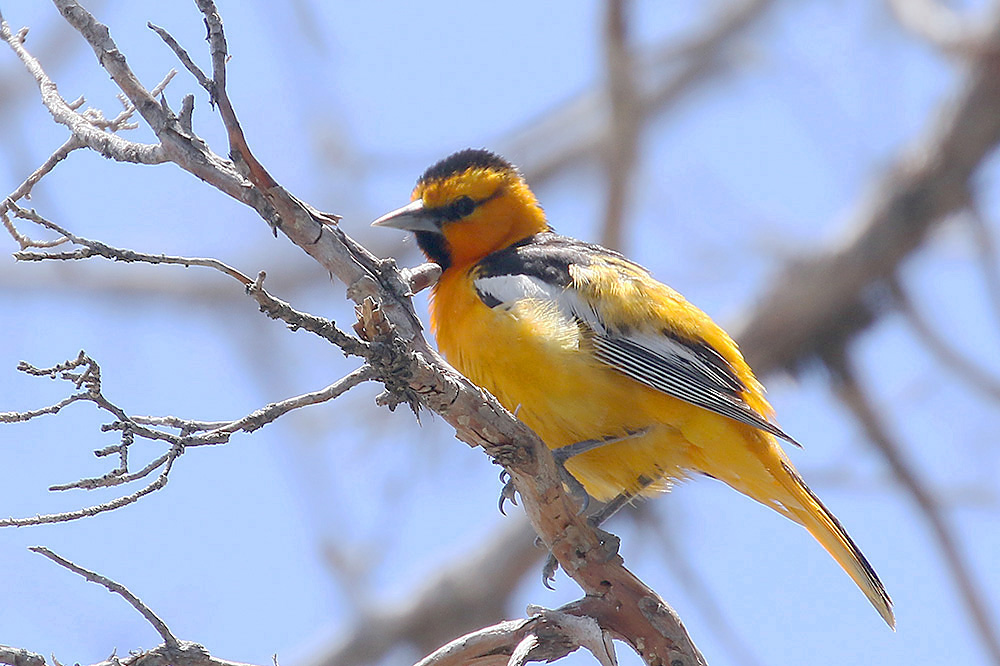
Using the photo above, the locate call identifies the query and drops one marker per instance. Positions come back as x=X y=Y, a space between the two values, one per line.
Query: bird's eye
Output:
x=459 y=208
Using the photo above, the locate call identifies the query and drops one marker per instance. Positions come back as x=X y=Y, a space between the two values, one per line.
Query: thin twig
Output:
x=89 y=511
x=92 y=248
x=324 y=328
x=272 y=412
x=183 y=56
x=106 y=143
x=115 y=477
x=24 y=189
x=117 y=588
x=85 y=374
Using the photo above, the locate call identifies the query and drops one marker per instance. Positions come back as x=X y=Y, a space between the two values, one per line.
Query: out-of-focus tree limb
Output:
x=581 y=128
x=986 y=247
x=820 y=299
x=943 y=26
x=474 y=591
x=854 y=396
x=625 y=122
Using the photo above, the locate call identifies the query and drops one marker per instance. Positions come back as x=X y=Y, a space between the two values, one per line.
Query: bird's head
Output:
x=466 y=206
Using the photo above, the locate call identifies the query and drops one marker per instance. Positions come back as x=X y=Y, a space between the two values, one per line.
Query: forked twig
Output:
x=117 y=588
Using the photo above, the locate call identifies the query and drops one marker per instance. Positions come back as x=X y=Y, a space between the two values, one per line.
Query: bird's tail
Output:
x=808 y=511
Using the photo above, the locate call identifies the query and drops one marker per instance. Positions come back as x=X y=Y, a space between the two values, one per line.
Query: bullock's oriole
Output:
x=585 y=345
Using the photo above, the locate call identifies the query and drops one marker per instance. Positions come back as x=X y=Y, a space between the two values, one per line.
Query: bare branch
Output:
x=24 y=190
x=89 y=511
x=546 y=636
x=820 y=299
x=92 y=248
x=89 y=381
x=185 y=59
x=272 y=412
x=18 y=657
x=490 y=646
x=172 y=652
x=324 y=328
x=855 y=398
x=117 y=588
x=177 y=145
x=107 y=144
x=118 y=476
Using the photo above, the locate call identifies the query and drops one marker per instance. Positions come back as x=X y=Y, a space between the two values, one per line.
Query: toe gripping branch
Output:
x=599 y=515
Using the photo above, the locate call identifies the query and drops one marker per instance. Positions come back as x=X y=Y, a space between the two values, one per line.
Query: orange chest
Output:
x=537 y=362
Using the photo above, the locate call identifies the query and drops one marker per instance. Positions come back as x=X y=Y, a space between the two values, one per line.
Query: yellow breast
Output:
x=537 y=363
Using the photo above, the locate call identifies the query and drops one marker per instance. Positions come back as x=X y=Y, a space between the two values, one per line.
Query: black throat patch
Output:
x=435 y=246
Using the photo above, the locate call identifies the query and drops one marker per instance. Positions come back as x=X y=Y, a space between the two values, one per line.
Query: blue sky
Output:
x=346 y=107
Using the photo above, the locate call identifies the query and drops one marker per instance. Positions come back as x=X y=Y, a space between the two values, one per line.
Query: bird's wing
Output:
x=628 y=319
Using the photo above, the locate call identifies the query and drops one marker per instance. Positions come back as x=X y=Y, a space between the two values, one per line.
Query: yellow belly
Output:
x=538 y=365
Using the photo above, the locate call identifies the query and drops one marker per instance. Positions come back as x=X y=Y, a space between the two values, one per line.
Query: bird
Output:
x=599 y=358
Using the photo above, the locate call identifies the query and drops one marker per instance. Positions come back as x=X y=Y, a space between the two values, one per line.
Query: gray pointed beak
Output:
x=411 y=217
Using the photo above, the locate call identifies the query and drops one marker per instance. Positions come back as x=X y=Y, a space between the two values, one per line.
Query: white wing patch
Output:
x=508 y=289
x=701 y=377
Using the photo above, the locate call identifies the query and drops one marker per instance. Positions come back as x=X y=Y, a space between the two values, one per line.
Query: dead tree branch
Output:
x=169 y=639
x=459 y=599
x=400 y=358
x=84 y=129
x=172 y=652
x=942 y=26
x=821 y=299
x=85 y=374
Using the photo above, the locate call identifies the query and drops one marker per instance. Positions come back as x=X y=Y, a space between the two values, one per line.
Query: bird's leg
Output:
x=576 y=489
x=596 y=519
x=564 y=453
x=561 y=455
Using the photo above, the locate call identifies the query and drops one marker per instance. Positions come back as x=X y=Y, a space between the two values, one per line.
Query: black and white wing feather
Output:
x=685 y=369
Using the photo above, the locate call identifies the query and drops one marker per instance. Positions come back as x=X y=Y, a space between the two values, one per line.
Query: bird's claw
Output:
x=549 y=571
x=508 y=493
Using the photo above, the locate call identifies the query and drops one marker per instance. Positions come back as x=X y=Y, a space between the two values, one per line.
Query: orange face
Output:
x=482 y=210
